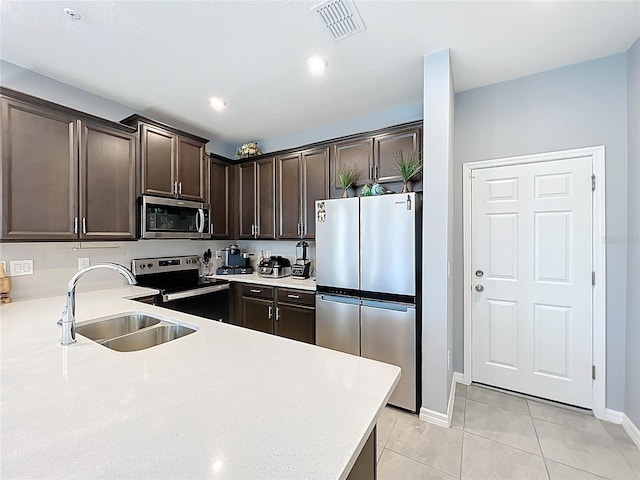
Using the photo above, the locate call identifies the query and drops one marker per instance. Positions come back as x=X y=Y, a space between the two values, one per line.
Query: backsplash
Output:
x=54 y=263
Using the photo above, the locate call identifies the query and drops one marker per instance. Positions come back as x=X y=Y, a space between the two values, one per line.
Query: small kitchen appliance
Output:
x=173 y=218
x=234 y=262
x=274 y=267
x=302 y=267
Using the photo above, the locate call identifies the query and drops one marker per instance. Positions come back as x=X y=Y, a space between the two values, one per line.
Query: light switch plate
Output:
x=83 y=262
x=21 y=267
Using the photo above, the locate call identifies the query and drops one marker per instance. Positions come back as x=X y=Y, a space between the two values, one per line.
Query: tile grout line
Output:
x=544 y=459
x=418 y=461
x=504 y=444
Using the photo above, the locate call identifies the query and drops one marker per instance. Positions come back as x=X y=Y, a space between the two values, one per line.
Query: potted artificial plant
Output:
x=409 y=166
x=347 y=176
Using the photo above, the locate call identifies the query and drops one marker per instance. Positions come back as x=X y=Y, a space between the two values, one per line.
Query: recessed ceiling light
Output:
x=72 y=14
x=217 y=103
x=317 y=65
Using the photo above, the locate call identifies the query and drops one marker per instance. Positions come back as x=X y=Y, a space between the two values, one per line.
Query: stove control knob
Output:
x=142 y=265
x=149 y=265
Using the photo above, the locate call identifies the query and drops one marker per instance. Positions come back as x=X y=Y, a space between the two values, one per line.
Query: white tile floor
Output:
x=499 y=436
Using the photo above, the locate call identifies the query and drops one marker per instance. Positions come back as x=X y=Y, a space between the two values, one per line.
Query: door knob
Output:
x=479 y=288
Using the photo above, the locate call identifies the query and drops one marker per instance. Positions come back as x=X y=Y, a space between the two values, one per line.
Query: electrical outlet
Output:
x=218 y=254
x=83 y=263
x=21 y=267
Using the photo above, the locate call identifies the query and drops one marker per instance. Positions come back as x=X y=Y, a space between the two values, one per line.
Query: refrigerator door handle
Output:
x=399 y=307
x=337 y=299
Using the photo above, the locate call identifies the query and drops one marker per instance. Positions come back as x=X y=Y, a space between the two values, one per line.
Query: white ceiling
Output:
x=169 y=57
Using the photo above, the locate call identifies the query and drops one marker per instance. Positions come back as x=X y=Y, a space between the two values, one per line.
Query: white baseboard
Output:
x=458 y=377
x=631 y=429
x=613 y=416
x=439 y=418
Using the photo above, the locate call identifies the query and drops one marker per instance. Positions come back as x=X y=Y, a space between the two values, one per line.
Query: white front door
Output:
x=531 y=324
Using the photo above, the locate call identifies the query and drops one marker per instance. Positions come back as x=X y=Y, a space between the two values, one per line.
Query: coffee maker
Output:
x=234 y=261
x=302 y=267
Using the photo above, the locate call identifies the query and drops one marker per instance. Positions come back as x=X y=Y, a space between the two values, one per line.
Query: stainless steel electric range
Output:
x=181 y=288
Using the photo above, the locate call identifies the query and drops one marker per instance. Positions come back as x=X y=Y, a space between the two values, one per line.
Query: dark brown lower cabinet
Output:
x=284 y=312
x=257 y=314
x=365 y=466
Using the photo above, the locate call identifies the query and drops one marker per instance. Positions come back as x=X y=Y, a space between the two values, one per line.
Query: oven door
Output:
x=207 y=302
x=173 y=218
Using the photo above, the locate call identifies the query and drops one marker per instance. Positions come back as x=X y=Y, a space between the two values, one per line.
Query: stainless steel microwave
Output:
x=173 y=218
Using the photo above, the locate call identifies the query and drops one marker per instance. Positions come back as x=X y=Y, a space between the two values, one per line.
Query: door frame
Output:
x=598 y=257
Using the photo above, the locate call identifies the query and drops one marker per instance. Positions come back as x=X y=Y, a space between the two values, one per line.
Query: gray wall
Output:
x=632 y=397
x=437 y=310
x=27 y=81
x=571 y=107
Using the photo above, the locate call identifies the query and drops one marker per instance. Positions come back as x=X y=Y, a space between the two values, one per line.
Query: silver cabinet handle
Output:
x=270 y=312
x=371 y=173
x=375 y=172
x=175 y=188
x=211 y=228
x=479 y=288
x=253 y=229
x=75 y=225
x=277 y=313
x=84 y=225
x=257 y=231
x=179 y=188
x=293 y=296
x=254 y=290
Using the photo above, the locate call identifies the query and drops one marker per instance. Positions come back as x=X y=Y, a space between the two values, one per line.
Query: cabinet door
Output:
x=247 y=197
x=39 y=173
x=296 y=322
x=289 y=194
x=107 y=183
x=219 y=199
x=266 y=198
x=357 y=154
x=386 y=148
x=234 y=201
x=257 y=314
x=315 y=186
x=158 y=155
x=190 y=168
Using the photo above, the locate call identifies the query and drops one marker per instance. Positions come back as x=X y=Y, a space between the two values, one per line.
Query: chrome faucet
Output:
x=68 y=320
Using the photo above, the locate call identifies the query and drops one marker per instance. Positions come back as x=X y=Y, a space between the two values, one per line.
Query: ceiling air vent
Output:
x=340 y=17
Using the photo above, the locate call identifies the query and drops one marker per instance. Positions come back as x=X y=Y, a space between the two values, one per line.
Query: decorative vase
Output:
x=405 y=187
x=345 y=194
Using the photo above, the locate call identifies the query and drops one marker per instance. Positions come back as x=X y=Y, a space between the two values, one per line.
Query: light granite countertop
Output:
x=285 y=282
x=223 y=402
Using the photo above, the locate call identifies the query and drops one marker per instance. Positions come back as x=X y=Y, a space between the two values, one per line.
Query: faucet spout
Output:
x=68 y=320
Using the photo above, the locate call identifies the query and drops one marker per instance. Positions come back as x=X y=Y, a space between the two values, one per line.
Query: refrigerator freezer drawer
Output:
x=389 y=335
x=338 y=323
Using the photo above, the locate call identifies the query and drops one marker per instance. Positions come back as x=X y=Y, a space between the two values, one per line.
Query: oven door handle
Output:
x=169 y=297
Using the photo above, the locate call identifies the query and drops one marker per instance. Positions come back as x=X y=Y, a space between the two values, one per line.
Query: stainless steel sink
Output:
x=112 y=327
x=133 y=331
x=148 y=338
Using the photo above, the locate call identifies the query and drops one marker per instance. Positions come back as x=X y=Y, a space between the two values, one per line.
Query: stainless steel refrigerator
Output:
x=368 y=267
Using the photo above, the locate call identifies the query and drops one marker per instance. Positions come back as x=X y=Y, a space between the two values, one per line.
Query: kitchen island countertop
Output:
x=223 y=402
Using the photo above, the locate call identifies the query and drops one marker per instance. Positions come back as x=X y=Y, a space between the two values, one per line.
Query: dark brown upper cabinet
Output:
x=173 y=162
x=220 y=184
x=64 y=176
x=303 y=178
x=257 y=199
x=374 y=157
x=107 y=183
x=387 y=146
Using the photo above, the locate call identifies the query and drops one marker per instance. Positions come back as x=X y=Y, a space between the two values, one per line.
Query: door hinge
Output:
x=593 y=372
x=593 y=278
x=593 y=182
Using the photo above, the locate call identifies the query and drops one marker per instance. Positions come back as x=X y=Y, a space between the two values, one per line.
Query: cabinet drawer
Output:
x=297 y=297
x=257 y=291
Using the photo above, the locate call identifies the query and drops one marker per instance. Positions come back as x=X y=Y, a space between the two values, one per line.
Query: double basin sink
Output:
x=132 y=331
